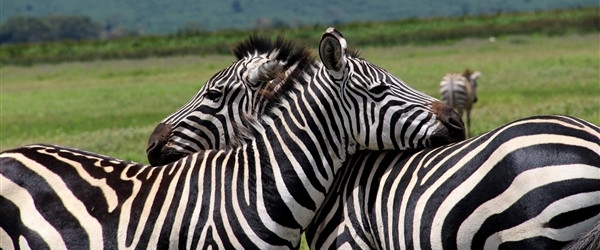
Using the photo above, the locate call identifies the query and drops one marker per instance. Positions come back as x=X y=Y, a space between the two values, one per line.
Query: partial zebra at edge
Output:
x=531 y=184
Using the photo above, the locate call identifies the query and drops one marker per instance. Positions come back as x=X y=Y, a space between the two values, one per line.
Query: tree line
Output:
x=28 y=29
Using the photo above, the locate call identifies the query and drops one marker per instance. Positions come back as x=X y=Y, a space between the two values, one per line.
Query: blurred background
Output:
x=41 y=20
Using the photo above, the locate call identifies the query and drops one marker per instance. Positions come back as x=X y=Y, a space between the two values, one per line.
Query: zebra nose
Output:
x=454 y=128
x=158 y=139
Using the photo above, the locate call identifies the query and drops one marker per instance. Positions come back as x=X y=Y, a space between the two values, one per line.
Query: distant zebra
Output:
x=459 y=91
x=378 y=197
x=261 y=194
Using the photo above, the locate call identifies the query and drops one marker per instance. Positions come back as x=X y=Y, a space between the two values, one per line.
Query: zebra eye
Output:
x=213 y=95
x=379 y=88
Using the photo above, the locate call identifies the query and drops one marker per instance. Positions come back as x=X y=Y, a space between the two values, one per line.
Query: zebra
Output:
x=531 y=184
x=354 y=214
x=64 y=198
x=459 y=91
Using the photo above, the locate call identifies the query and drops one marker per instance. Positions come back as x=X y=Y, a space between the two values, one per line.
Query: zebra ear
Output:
x=475 y=75
x=265 y=72
x=332 y=50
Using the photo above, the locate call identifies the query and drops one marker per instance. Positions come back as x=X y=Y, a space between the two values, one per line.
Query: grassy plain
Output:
x=111 y=107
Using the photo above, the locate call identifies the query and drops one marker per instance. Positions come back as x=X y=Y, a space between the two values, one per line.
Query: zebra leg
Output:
x=468 y=122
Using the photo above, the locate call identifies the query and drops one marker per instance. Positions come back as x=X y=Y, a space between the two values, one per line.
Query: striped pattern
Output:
x=531 y=184
x=259 y=195
x=459 y=91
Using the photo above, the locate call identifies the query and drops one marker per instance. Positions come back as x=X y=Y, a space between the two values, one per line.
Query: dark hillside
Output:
x=162 y=17
x=410 y=31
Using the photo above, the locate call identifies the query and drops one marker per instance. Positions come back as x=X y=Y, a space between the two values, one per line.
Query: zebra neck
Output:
x=297 y=173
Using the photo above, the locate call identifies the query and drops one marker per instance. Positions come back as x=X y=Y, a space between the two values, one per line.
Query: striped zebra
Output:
x=459 y=91
x=480 y=193
x=261 y=194
x=531 y=184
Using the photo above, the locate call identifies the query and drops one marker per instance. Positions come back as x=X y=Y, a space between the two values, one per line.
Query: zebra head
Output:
x=472 y=77
x=379 y=100
x=215 y=117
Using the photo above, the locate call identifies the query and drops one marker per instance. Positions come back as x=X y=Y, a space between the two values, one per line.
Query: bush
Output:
x=22 y=29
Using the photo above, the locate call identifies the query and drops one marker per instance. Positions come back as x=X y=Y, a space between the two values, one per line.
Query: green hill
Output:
x=162 y=17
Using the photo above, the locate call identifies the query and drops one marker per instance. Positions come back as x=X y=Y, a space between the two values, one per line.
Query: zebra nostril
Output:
x=151 y=147
x=454 y=128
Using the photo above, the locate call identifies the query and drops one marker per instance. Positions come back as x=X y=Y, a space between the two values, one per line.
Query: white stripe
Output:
x=320 y=227
x=225 y=196
x=391 y=206
x=181 y=207
x=6 y=242
x=70 y=202
x=302 y=214
x=164 y=210
x=30 y=216
x=199 y=205
x=239 y=216
x=534 y=227
x=285 y=196
x=110 y=195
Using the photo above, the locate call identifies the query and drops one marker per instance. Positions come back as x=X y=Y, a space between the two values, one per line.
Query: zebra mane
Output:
x=353 y=52
x=467 y=73
x=283 y=49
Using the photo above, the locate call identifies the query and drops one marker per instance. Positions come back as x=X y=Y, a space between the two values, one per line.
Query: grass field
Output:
x=110 y=107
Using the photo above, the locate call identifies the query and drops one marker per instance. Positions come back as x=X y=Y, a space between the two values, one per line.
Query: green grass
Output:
x=108 y=107
x=111 y=107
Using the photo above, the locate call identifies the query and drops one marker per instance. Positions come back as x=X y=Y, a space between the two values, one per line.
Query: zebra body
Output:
x=531 y=184
x=459 y=91
x=260 y=194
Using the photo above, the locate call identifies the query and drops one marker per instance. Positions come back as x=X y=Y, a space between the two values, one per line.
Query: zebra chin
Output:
x=163 y=156
x=158 y=152
x=452 y=129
